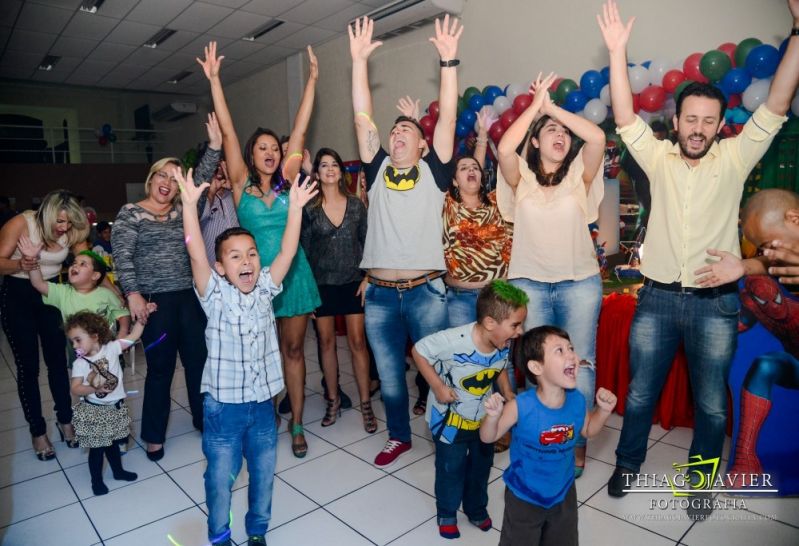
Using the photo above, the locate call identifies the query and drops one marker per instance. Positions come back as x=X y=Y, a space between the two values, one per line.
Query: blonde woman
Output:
x=60 y=224
x=153 y=267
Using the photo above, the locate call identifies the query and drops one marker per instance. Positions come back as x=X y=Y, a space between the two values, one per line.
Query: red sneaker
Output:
x=391 y=452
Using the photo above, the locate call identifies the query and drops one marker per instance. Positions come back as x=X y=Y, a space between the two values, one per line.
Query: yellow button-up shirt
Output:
x=695 y=208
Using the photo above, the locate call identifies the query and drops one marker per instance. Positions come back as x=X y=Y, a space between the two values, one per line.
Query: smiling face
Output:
x=554 y=142
x=238 y=261
x=500 y=333
x=697 y=126
x=560 y=365
x=82 y=273
x=468 y=177
x=405 y=144
x=220 y=181
x=329 y=171
x=164 y=184
x=266 y=155
x=84 y=343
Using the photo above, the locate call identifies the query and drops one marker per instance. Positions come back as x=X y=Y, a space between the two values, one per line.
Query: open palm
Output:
x=211 y=64
x=361 y=44
x=615 y=33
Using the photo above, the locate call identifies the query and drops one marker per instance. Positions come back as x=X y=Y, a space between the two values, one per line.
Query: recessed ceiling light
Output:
x=91 y=6
x=48 y=62
x=159 y=38
x=263 y=29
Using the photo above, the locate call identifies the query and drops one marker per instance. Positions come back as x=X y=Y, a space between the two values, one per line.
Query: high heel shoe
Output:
x=369 y=420
x=46 y=453
x=332 y=412
x=298 y=444
x=71 y=441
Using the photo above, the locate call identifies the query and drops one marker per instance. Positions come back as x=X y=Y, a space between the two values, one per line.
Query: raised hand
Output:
x=494 y=404
x=540 y=90
x=614 y=31
x=484 y=119
x=313 y=65
x=211 y=64
x=189 y=194
x=28 y=249
x=361 y=44
x=605 y=400
x=446 y=38
x=302 y=192
x=728 y=269
x=214 y=132
x=408 y=107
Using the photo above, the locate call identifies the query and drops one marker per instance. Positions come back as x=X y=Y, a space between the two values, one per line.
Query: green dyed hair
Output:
x=98 y=263
x=498 y=299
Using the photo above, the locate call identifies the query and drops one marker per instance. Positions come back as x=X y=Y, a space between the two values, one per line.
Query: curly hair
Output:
x=92 y=323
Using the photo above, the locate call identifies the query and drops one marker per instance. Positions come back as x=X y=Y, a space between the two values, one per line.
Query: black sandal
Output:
x=420 y=407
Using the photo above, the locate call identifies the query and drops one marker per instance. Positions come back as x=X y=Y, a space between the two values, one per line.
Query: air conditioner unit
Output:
x=404 y=16
x=175 y=111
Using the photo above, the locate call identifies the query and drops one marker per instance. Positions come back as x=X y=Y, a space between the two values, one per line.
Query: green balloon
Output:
x=680 y=88
x=743 y=49
x=461 y=105
x=714 y=65
x=564 y=88
x=470 y=92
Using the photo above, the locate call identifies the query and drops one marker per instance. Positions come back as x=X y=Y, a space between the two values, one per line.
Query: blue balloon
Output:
x=762 y=61
x=106 y=130
x=490 y=93
x=575 y=101
x=468 y=118
x=591 y=83
x=605 y=75
x=735 y=81
x=476 y=102
x=462 y=129
x=646 y=64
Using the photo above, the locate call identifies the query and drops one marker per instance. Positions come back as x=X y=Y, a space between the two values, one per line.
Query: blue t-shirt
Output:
x=541 y=467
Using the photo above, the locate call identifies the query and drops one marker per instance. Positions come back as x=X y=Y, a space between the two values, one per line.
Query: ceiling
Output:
x=106 y=49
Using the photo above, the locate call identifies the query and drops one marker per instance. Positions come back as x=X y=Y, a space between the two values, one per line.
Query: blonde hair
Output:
x=158 y=166
x=47 y=215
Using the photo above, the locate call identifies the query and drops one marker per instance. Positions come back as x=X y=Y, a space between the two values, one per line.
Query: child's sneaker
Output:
x=484 y=525
x=449 y=531
x=391 y=452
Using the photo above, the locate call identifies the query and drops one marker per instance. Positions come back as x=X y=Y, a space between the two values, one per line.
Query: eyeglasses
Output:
x=164 y=176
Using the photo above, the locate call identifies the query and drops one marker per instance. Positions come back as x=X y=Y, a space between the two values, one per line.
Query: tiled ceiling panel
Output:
x=157 y=12
x=9 y=9
x=199 y=17
x=67 y=46
x=29 y=41
x=109 y=51
x=94 y=27
x=239 y=24
x=43 y=18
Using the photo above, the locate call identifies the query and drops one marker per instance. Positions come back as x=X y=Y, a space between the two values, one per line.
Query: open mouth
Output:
x=571 y=371
x=471 y=177
x=246 y=277
x=696 y=141
x=559 y=145
x=163 y=191
x=269 y=163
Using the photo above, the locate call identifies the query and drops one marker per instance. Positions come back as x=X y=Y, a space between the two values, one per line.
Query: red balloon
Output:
x=496 y=131
x=522 y=102
x=103 y=140
x=433 y=109
x=729 y=49
x=691 y=68
x=672 y=79
x=636 y=103
x=734 y=101
x=508 y=117
x=91 y=216
x=652 y=98
x=428 y=124
x=429 y=140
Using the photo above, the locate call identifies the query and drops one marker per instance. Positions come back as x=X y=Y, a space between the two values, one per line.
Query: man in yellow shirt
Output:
x=696 y=189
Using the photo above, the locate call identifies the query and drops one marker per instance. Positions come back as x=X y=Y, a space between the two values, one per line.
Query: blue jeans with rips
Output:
x=230 y=432
x=573 y=306
x=392 y=316
x=462 y=470
x=707 y=324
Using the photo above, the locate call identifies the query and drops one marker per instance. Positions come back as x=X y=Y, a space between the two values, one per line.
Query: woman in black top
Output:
x=333 y=235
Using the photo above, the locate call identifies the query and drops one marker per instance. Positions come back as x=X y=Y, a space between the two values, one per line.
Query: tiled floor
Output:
x=333 y=496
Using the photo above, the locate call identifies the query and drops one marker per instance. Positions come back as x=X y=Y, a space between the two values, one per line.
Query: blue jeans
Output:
x=462 y=472
x=391 y=317
x=573 y=306
x=230 y=431
x=707 y=325
x=461 y=305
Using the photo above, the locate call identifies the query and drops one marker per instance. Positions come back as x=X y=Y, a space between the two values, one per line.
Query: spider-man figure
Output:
x=764 y=299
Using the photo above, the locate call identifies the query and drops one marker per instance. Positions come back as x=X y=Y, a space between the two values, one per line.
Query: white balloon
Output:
x=639 y=78
x=795 y=104
x=657 y=69
x=501 y=103
x=514 y=90
x=755 y=94
x=595 y=111
x=604 y=95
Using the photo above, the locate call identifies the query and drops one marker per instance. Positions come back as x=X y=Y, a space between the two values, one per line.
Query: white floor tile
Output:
x=12 y=418
x=421 y=475
x=318 y=527
x=15 y=440
x=188 y=527
x=182 y=450
x=285 y=457
x=594 y=479
x=783 y=509
x=330 y=476
x=427 y=534
x=33 y=497
x=190 y=479
x=138 y=504
x=346 y=430
x=365 y=509
x=134 y=461
x=419 y=427
x=52 y=528
x=24 y=465
x=595 y=527
x=748 y=528
x=683 y=436
x=368 y=448
x=603 y=446
x=496 y=502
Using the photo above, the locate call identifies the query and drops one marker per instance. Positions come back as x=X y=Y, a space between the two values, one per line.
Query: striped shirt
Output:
x=218 y=214
x=243 y=362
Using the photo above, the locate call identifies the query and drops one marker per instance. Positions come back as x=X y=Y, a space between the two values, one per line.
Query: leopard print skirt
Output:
x=99 y=426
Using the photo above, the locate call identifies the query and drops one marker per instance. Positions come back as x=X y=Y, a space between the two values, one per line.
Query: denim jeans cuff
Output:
x=448 y=520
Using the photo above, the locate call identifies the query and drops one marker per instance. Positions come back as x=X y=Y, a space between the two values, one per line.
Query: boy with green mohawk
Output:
x=462 y=366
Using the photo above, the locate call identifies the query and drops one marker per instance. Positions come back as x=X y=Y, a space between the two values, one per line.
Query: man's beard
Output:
x=683 y=142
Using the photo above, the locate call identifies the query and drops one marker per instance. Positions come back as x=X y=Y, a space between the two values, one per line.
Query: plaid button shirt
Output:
x=243 y=362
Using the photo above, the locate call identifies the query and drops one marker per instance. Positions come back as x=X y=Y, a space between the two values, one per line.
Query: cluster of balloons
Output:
x=106 y=134
x=742 y=71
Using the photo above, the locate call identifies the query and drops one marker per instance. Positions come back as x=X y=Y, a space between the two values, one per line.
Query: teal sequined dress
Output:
x=299 y=295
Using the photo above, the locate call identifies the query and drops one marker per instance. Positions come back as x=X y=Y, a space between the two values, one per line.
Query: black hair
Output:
x=531 y=346
x=102 y=226
x=255 y=176
x=98 y=264
x=659 y=127
x=455 y=193
x=534 y=156
x=710 y=91
x=409 y=119
x=227 y=234
x=342 y=182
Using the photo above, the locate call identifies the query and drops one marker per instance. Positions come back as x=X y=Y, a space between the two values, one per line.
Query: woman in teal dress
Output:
x=260 y=180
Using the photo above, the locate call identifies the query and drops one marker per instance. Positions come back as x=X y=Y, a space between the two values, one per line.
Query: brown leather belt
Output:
x=406 y=284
